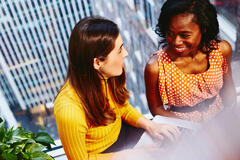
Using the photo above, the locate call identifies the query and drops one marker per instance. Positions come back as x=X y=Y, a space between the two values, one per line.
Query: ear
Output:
x=96 y=63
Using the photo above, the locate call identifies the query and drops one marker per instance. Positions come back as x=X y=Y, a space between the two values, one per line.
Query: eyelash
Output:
x=120 y=50
x=185 y=36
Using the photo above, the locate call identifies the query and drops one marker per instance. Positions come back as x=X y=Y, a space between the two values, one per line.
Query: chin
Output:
x=119 y=73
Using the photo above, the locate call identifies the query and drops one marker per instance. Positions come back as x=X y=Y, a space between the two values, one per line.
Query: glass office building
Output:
x=33 y=49
x=34 y=37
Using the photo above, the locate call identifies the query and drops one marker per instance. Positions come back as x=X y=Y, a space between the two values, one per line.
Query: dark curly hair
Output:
x=205 y=16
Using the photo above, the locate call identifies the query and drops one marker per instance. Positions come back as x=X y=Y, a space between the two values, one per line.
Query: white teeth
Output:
x=180 y=49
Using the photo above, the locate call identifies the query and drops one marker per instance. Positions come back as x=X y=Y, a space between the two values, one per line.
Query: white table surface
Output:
x=146 y=139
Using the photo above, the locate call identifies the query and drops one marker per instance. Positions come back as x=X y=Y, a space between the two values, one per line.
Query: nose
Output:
x=125 y=52
x=178 y=41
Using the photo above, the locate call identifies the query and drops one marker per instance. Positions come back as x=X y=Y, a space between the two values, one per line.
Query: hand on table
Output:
x=161 y=131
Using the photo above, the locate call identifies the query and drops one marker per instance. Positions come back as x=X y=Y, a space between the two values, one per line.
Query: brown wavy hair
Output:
x=94 y=37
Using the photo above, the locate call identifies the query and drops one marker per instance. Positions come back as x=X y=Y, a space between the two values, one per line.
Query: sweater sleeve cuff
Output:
x=132 y=117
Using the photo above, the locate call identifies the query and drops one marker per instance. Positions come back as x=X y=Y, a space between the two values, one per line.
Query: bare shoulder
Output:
x=152 y=65
x=226 y=48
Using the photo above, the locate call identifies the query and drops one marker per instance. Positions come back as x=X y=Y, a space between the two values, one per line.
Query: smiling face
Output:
x=114 y=62
x=183 y=36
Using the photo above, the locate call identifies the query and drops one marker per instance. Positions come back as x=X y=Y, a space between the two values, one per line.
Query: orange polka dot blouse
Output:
x=178 y=89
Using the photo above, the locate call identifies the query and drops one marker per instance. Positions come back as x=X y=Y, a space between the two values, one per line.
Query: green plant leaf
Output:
x=21 y=144
x=30 y=141
x=2 y=133
x=2 y=130
x=8 y=134
x=1 y=122
x=8 y=156
x=40 y=156
x=25 y=156
x=17 y=149
x=30 y=148
x=3 y=147
x=44 y=138
x=20 y=135
x=9 y=150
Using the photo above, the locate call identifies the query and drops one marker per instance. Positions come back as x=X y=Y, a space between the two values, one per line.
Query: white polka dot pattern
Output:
x=181 y=89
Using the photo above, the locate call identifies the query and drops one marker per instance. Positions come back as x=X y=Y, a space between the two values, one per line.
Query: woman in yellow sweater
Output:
x=92 y=103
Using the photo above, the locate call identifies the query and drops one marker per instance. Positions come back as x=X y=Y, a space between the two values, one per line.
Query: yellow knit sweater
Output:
x=81 y=141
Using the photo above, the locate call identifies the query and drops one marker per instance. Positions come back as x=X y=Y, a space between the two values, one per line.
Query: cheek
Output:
x=114 y=64
x=198 y=38
x=169 y=39
x=196 y=41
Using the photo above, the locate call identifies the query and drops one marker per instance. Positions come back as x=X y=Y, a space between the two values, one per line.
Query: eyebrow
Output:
x=181 y=31
x=186 y=32
x=120 y=47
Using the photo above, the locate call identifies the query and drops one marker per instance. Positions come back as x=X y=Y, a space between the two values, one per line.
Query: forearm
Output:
x=161 y=111
x=144 y=123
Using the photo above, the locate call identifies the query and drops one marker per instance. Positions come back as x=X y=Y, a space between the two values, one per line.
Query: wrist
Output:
x=145 y=123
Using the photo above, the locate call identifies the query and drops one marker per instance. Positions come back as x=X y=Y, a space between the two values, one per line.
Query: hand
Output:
x=160 y=131
x=157 y=130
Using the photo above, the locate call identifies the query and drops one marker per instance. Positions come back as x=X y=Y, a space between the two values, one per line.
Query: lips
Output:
x=180 y=49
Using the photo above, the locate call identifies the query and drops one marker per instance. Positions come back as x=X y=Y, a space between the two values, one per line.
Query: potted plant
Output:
x=22 y=144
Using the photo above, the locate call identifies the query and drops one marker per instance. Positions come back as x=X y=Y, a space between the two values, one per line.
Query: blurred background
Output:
x=34 y=41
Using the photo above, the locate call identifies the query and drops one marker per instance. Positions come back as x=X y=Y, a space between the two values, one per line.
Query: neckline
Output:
x=193 y=74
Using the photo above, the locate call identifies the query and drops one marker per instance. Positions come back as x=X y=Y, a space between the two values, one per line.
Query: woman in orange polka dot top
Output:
x=190 y=76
